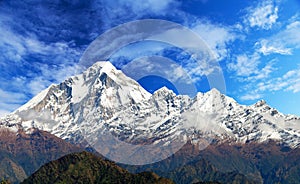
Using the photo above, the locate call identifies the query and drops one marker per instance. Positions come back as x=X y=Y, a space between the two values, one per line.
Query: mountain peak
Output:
x=214 y=91
x=101 y=67
x=164 y=89
x=102 y=64
x=260 y=103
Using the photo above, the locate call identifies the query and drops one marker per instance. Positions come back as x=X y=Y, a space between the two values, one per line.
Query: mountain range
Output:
x=104 y=109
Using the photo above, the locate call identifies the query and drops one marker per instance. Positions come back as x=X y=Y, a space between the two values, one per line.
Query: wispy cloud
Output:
x=121 y=11
x=218 y=37
x=251 y=96
x=20 y=89
x=251 y=71
x=266 y=48
x=290 y=81
x=9 y=97
x=259 y=71
x=202 y=46
x=35 y=63
x=283 y=42
x=9 y=101
x=164 y=68
x=11 y=44
x=245 y=65
x=19 y=46
x=264 y=15
x=158 y=66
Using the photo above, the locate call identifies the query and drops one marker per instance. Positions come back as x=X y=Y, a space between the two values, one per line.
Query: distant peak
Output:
x=214 y=91
x=164 y=89
x=260 y=103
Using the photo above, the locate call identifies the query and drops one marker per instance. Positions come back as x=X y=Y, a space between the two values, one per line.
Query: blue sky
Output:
x=256 y=43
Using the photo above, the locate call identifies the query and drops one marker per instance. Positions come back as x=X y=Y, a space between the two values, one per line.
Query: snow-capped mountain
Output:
x=103 y=99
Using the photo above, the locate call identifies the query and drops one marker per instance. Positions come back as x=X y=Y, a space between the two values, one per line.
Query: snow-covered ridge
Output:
x=104 y=99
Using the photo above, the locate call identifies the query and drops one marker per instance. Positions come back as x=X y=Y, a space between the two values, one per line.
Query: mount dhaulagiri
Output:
x=103 y=100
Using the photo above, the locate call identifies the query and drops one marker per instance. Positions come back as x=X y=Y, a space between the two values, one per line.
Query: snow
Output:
x=35 y=100
x=79 y=89
x=11 y=129
x=118 y=104
x=268 y=133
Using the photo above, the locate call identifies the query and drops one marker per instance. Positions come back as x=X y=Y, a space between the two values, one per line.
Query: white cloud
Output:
x=250 y=70
x=164 y=68
x=245 y=65
x=16 y=46
x=157 y=66
x=11 y=45
x=120 y=11
x=266 y=48
x=216 y=36
x=264 y=72
x=251 y=96
x=37 y=85
x=11 y=97
x=290 y=81
x=284 y=42
x=9 y=101
x=262 y=16
x=36 y=46
x=203 y=46
x=61 y=71
x=206 y=53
